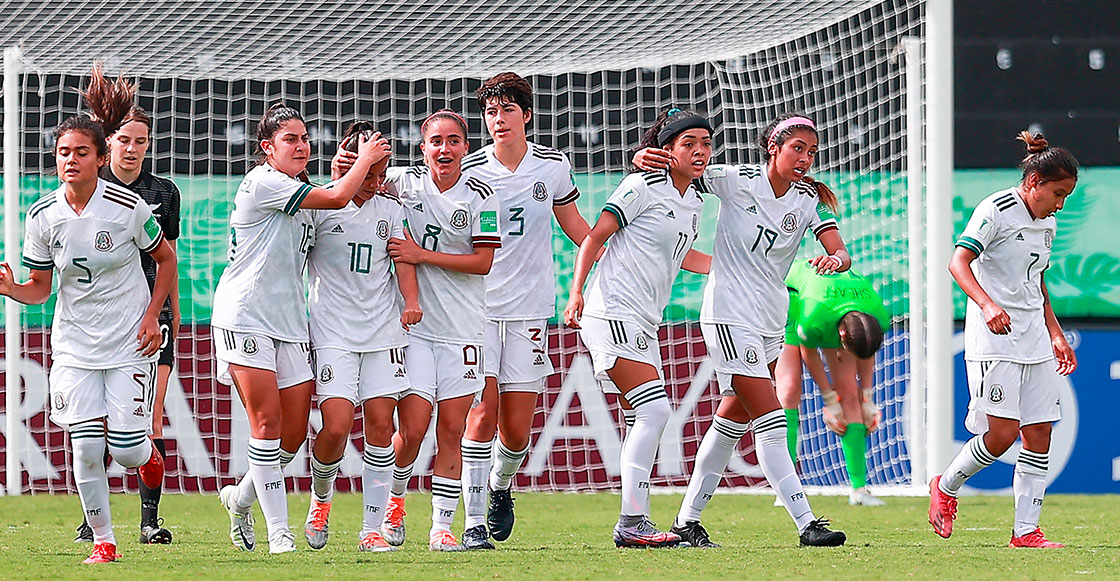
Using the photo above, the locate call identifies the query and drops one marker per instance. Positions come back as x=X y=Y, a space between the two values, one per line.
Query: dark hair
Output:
x=358 y=128
x=860 y=333
x=768 y=137
x=506 y=88
x=653 y=138
x=1050 y=163
x=109 y=104
x=445 y=114
x=138 y=114
x=270 y=123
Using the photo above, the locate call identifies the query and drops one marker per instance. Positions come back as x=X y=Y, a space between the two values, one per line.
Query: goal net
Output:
x=601 y=73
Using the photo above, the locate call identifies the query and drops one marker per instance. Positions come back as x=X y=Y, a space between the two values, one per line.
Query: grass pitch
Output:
x=568 y=536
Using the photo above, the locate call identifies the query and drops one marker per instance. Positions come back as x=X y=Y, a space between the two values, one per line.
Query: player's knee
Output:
x=654 y=410
x=998 y=441
x=379 y=435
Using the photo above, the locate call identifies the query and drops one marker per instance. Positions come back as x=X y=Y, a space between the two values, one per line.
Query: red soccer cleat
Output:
x=1035 y=540
x=152 y=472
x=102 y=553
x=942 y=509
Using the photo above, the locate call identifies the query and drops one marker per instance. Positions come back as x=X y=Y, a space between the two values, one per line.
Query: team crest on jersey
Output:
x=789 y=222
x=326 y=374
x=249 y=346
x=540 y=192
x=102 y=241
x=383 y=229
x=59 y=402
x=640 y=342
x=751 y=356
x=996 y=394
x=1047 y=238
x=459 y=219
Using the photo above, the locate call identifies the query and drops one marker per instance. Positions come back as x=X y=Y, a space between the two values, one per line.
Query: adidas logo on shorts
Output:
x=470 y=374
x=399 y=373
x=539 y=360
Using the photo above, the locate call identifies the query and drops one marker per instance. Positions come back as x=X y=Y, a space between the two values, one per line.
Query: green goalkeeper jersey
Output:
x=818 y=302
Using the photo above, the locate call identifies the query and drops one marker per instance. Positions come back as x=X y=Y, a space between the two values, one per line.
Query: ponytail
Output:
x=1050 y=163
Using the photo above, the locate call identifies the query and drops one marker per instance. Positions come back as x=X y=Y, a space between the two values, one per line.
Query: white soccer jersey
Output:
x=521 y=284
x=757 y=237
x=354 y=300
x=634 y=278
x=1014 y=250
x=451 y=222
x=262 y=290
x=102 y=292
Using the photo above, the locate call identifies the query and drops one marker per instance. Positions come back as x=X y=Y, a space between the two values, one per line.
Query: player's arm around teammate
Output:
x=260 y=316
x=651 y=220
x=103 y=348
x=450 y=236
x=1015 y=349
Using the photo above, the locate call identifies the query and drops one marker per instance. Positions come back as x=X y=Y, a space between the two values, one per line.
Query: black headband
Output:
x=679 y=123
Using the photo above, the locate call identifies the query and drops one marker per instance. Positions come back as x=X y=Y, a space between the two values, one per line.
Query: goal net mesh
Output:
x=601 y=72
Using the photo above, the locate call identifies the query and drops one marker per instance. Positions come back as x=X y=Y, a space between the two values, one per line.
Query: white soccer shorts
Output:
x=738 y=350
x=1027 y=393
x=608 y=341
x=516 y=353
x=440 y=371
x=122 y=395
x=360 y=376
x=290 y=361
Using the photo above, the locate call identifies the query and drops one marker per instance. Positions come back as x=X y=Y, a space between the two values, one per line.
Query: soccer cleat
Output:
x=694 y=535
x=152 y=472
x=153 y=533
x=281 y=542
x=1034 y=539
x=817 y=534
x=861 y=497
x=392 y=528
x=643 y=535
x=240 y=525
x=499 y=516
x=315 y=529
x=102 y=553
x=85 y=533
x=443 y=540
x=375 y=543
x=477 y=538
x=942 y=509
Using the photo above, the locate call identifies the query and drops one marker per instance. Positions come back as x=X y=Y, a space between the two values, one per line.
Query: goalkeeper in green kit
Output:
x=842 y=316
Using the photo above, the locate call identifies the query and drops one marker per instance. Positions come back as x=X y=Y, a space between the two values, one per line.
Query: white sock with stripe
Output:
x=639 y=450
x=445 y=499
x=506 y=464
x=1029 y=485
x=476 y=467
x=711 y=460
x=972 y=458
x=401 y=476
x=268 y=481
x=323 y=475
x=773 y=457
x=87 y=439
x=246 y=490
x=377 y=476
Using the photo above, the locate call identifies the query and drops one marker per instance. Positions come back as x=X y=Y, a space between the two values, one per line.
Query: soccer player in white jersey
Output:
x=651 y=220
x=765 y=211
x=533 y=183
x=1014 y=347
x=260 y=312
x=450 y=235
x=105 y=334
x=358 y=340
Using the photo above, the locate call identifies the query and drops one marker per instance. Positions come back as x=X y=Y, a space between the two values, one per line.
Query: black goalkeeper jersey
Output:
x=163 y=197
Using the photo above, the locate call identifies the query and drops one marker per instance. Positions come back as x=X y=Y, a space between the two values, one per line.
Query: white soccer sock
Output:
x=268 y=481
x=639 y=450
x=627 y=421
x=129 y=449
x=323 y=475
x=401 y=476
x=1029 y=484
x=476 y=466
x=506 y=464
x=773 y=457
x=445 y=499
x=377 y=476
x=88 y=442
x=247 y=492
x=972 y=458
x=711 y=460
